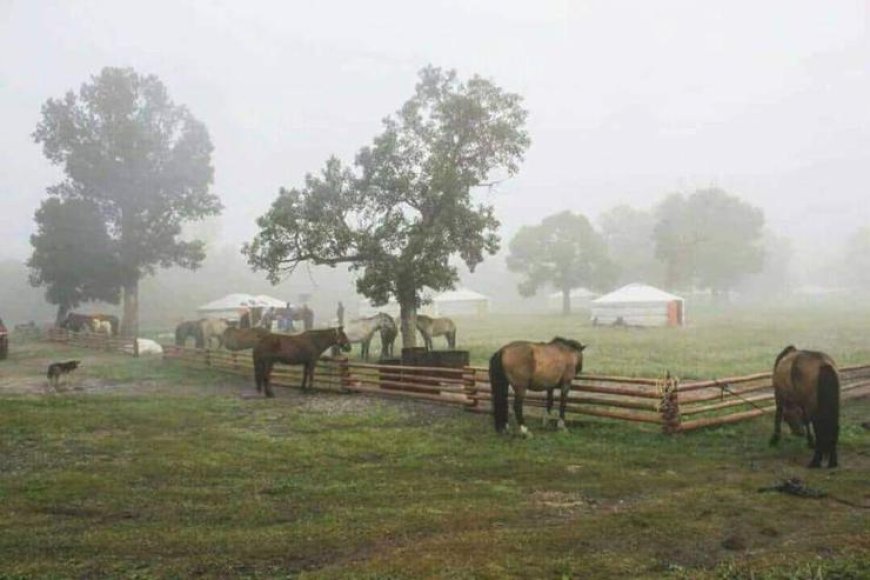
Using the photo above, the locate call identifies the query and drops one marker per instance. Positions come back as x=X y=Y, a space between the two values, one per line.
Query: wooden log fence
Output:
x=666 y=402
x=673 y=405
x=98 y=341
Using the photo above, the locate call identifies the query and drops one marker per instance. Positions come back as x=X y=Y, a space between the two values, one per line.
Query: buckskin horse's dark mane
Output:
x=789 y=349
x=572 y=344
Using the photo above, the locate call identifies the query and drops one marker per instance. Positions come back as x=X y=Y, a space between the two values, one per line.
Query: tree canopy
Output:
x=142 y=161
x=628 y=235
x=73 y=255
x=565 y=252
x=709 y=239
x=406 y=206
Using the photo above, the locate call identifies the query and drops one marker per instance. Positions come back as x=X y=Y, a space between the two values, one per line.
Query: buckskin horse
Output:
x=536 y=366
x=431 y=327
x=297 y=349
x=806 y=387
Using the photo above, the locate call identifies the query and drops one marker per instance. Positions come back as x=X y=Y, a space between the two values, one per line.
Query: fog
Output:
x=628 y=102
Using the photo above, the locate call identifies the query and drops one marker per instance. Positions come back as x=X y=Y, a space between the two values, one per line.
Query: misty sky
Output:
x=628 y=101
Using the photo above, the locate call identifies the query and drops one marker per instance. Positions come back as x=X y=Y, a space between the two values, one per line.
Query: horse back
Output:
x=796 y=378
x=537 y=365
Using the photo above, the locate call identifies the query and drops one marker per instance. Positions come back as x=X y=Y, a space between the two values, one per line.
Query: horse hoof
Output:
x=561 y=425
x=774 y=441
x=524 y=431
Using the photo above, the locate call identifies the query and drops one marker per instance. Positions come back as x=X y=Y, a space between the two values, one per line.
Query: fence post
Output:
x=344 y=373
x=670 y=405
x=469 y=375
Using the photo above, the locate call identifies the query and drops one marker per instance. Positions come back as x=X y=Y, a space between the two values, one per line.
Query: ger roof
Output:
x=636 y=292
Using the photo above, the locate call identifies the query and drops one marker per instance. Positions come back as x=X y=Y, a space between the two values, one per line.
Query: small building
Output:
x=461 y=302
x=580 y=298
x=638 y=305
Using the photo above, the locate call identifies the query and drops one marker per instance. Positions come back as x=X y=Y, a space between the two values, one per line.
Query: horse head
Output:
x=341 y=339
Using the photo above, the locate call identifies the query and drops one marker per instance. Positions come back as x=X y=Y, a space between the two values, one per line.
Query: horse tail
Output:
x=828 y=411
x=499 y=383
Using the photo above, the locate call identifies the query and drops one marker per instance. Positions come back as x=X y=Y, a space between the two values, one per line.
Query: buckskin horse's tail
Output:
x=827 y=421
x=498 y=381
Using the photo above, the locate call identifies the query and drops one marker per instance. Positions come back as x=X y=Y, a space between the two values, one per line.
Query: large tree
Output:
x=142 y=160
x=73 y=255
x=406 y=207
x=709 y=239
x=565 y=252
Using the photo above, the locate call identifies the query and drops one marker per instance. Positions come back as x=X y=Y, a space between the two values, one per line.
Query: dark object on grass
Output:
x=55 y=370
x=795 y=486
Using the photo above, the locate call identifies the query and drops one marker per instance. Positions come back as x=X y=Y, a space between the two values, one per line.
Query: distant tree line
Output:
x=708 y=239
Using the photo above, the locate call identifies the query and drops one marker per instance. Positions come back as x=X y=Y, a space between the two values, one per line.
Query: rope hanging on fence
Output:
x=725 y=387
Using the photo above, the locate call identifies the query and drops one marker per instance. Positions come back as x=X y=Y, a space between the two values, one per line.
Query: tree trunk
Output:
x=62 y=312
x=130 y=320
x=566 y=301
x=408 y=313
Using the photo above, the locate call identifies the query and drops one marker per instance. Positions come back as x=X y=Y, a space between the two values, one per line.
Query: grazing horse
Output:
x=243 y=338
x=213 y=328
x=537 y=366
x=362 y=330
x=187 y=329
x=806 y=386
x=431 y=327
x=297 y=349
x=389 y=332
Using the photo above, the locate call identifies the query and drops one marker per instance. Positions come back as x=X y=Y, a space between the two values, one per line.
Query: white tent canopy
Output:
x=639 y=305
x=231 y=305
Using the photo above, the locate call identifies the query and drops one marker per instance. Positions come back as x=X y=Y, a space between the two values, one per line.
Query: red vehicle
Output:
x=4 y=341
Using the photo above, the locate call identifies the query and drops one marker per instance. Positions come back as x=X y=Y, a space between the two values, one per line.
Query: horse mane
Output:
x=572 y=344
x=787 y=350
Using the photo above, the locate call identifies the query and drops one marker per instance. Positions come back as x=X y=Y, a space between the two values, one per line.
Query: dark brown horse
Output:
x=807 y=390
x=431 y=327
x=297 y=349
x=243 y=338
x=536 y=366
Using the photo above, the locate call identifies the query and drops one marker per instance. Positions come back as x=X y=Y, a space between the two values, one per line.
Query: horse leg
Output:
x=267 y=375
x=364 y=349
x=547 y=417
x=563 y=403
x=519 y=395
x=777 y=422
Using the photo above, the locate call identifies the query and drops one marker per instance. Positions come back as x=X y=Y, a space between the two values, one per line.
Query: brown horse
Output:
x=243 y=338
x=537 y=366
x=431 y=327
x=807 y=390
x=297 y=349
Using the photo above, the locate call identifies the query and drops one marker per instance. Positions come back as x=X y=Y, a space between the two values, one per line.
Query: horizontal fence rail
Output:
x=666 y=402
x=95 y=340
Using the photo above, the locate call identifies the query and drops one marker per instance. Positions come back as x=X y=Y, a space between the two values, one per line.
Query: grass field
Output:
x=141 y=468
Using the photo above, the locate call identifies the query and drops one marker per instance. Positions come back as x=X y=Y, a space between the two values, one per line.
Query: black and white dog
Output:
x=55 y=370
